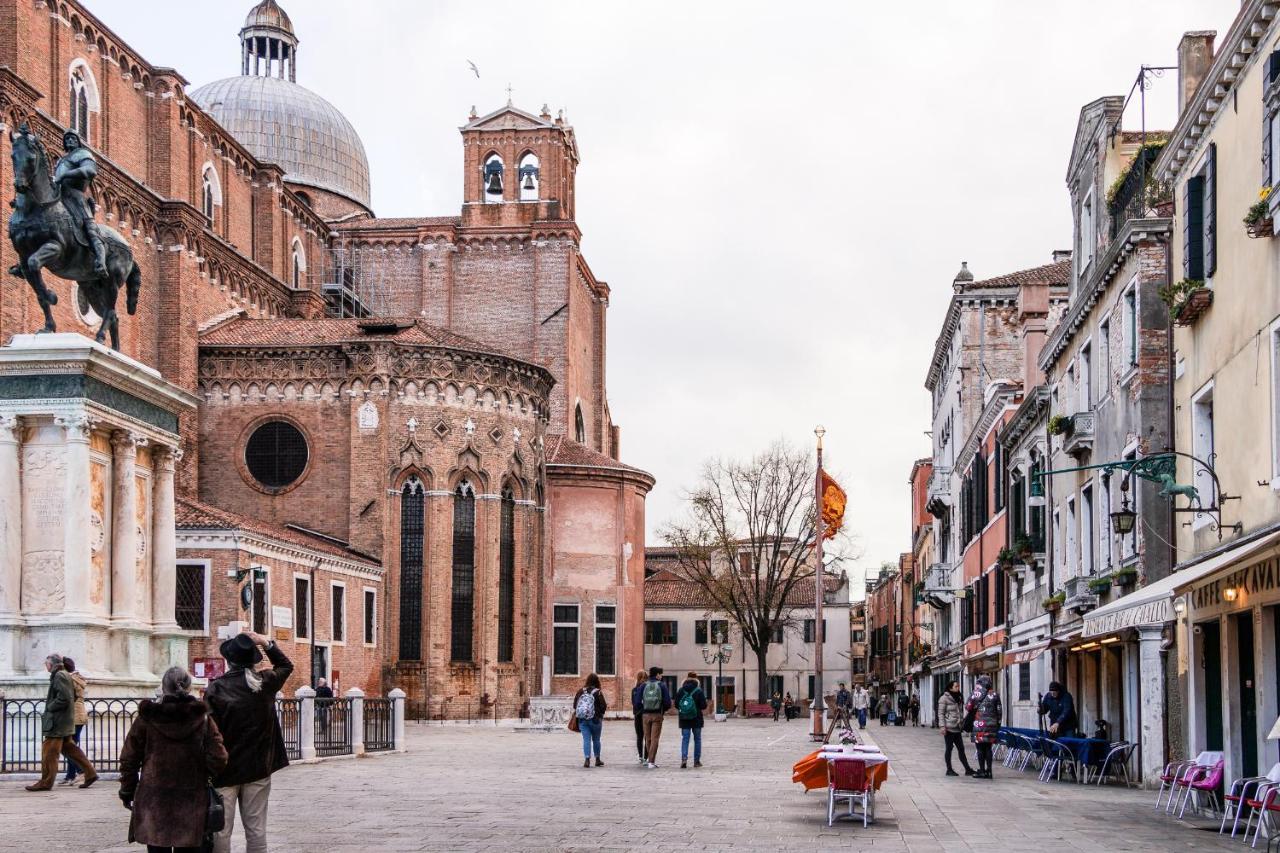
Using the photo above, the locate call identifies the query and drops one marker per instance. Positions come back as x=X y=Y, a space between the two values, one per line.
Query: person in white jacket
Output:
x=861 y=701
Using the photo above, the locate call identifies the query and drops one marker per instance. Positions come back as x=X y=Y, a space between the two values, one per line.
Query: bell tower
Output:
x=268 y=45
x=518 y=167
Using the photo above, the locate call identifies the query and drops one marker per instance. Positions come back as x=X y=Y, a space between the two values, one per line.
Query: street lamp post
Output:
x=718 y=656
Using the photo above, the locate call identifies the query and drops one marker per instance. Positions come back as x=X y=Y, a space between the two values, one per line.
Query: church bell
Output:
x=528 y=181
x=495 y=184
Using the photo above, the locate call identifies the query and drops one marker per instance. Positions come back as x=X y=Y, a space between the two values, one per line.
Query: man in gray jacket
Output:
x=59 y=725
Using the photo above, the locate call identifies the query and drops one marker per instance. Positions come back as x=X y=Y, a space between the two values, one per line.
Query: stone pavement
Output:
x=494 y=789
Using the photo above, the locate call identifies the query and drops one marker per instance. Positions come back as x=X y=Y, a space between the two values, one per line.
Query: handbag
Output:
x=573 y=723
x=967 y=725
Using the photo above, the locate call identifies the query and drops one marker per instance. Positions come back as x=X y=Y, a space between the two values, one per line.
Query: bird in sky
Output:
x=473 y=68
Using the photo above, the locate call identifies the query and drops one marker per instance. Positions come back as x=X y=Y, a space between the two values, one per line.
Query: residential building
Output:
x=883 y=623
x=859 y=648
x=918 y=617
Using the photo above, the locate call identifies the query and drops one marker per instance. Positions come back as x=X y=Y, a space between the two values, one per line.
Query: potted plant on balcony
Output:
x=1054 y=602
x=1098 y=586
x=1258 y=220
x=1024 y=549
x=1008 y=558
x=1187 y=300
x=1060 y=425
x=1160 y=198
x=1126 y=576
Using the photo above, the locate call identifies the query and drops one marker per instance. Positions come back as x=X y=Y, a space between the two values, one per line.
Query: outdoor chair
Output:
x=1202 y=783
x=1237 y=798
x=1057 y=756
x=1013 y=747
x=1169 y=778
x=1028 y=750
x=848 y=779
x=1115 y=763
x=1266 y=804
x=1195 y=770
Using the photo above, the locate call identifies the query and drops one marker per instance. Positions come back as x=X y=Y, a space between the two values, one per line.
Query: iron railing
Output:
x=333 y=727
x=1137 y=194
x=290 y=714
x=22 y=732
x=379 y=725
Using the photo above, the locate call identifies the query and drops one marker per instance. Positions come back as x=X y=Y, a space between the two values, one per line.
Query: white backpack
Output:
x=586 y=707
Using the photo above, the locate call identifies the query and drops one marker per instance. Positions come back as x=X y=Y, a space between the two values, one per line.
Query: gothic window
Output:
x=82 y=100
x=206 y=196
x=462 y=611
x=493 y=170
x=579 y=425
x=507 y=579
x=529 y=177
x=412 y=523
x=299 y=264
x=210 y=190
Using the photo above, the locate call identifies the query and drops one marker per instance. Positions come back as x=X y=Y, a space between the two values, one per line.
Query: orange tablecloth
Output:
x=811 y=771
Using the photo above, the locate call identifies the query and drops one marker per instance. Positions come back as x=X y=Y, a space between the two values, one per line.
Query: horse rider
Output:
x=73 y=175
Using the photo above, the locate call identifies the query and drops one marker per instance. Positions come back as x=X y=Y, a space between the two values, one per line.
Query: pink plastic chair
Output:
x=1186 y=773
x=1203 y=782
x=848 y=779
x=1236 y=800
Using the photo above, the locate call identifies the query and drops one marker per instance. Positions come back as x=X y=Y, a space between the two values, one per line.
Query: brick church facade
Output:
x=403 y=448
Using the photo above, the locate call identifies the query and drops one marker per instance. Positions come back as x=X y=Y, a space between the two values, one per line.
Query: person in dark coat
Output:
x=171 y=751
x=58 y=725
x=243 y=705
x=984 y=704
x=637 y=712
x=776 y=704
x=1059 y=710
x=691 y=701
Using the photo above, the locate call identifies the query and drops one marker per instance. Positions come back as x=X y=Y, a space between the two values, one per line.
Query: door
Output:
x=725 y=694
x=260 y=605
x=1247 y=694
x=1211 y=644
x=320 y=663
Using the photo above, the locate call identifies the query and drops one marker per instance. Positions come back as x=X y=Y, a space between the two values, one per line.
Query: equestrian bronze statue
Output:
x=52 y=226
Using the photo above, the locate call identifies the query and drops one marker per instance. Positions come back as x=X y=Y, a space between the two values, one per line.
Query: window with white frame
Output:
x=1202 y=446
x=1072 y=544
x=1086 y=530
x=1105 y=556
x=301 y=607
x=1275 y=397
x=1129 y=542
x=1130 y=300
x=1088 y=240
x=338 y=612
x=370 y=617
x=84 y=99
x=1059 y=554
x=1104 y=358
x=1086 y=377
x=528 y=176
x=565 y=639
x=191 y=603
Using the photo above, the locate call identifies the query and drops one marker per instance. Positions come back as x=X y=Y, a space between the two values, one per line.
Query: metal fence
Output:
x=333 y=727
x=290 y=713
x=22 y=732
x=379 y=725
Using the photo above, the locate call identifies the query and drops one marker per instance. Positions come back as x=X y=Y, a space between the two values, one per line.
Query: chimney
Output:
x=1195 y=55
x=1033 y=315
x=1060 y=255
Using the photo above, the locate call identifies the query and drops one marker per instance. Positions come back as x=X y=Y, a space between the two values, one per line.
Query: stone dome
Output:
x=291 y=126
x=268 y=14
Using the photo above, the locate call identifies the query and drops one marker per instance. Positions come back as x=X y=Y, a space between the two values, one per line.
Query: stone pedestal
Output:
x=88 y=443
x=549 y=712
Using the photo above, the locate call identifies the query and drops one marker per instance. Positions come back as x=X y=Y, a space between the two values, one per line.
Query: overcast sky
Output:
x=779 y=194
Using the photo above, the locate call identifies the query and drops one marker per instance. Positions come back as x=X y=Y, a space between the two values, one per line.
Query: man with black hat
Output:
x=1060 y=709
x=243 y=704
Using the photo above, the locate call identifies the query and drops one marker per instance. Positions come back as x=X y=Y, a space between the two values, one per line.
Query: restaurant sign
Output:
x=1248 y=581
x=1156 y=611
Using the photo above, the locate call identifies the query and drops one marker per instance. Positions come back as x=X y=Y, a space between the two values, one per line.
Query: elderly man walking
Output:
x=243 y=705
x=59 y=725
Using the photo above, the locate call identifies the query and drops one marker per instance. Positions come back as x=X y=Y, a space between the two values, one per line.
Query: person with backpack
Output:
x=637 y=713
x=589 y=706
x=984 y=713
x=691 y=701
x=655 y=700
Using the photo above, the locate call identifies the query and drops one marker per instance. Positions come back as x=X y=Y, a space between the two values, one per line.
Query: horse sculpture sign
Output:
x=52 y=227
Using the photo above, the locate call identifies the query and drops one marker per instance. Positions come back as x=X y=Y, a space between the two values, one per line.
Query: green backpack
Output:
x=687 y=706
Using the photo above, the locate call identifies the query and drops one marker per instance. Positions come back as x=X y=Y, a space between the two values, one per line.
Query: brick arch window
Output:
x=412 y=547
x=299 y=263
x=210 y=190
x=84 y=98
x=462 y=609
x=529 y=176
x=493 y=174
x=507 y=578
x=579 y=425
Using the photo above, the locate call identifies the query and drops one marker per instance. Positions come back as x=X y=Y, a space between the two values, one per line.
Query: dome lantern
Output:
x=268 y=45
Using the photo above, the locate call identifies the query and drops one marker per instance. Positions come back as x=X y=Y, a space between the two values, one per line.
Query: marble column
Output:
x=1151 y=674
x=124 y=529
x=10 y=542
x=77 y=544
x=164 y=549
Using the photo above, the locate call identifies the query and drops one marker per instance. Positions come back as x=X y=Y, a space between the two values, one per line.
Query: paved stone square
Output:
x=494 y=789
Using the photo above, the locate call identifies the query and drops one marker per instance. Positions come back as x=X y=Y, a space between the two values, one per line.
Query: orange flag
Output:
x=833 y=502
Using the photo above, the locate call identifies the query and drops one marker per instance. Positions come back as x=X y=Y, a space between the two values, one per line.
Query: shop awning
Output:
x=1024 y=654
x=1153 y=603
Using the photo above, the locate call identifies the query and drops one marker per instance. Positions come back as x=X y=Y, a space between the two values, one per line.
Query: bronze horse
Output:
x=44 y=235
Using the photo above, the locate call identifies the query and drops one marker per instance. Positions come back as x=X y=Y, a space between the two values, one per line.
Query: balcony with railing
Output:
x=1137 y=194
x=1079 y=437
x=940 y=486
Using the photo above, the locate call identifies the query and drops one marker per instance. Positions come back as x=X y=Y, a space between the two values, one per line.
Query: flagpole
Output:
x=819 y=705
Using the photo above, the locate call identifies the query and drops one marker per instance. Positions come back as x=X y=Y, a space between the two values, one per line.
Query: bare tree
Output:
x=747 y=542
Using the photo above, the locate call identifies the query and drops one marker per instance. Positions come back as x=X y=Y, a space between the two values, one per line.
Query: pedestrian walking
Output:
x=324 y=703
x=986 y=711
x=951 y=719
x=169 y=755
x=844 y=705
x=788 y=706
x=1060 y=709
x=914 y=709
x=882 y=710
x=589 y=706
x=861 y=699
x=655 y=700
x=776 y=703
x=691 y=701
x=58 y=724
x=81 y=715
x=903 y=705
x=637 y=713
x=243 y=705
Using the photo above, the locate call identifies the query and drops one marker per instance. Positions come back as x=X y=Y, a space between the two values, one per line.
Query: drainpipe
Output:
x=1169 y=444
x=1049 y=530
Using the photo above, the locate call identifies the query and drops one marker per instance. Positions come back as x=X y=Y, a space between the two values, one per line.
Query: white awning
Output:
x=1153 y=603
x=1024 y=654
